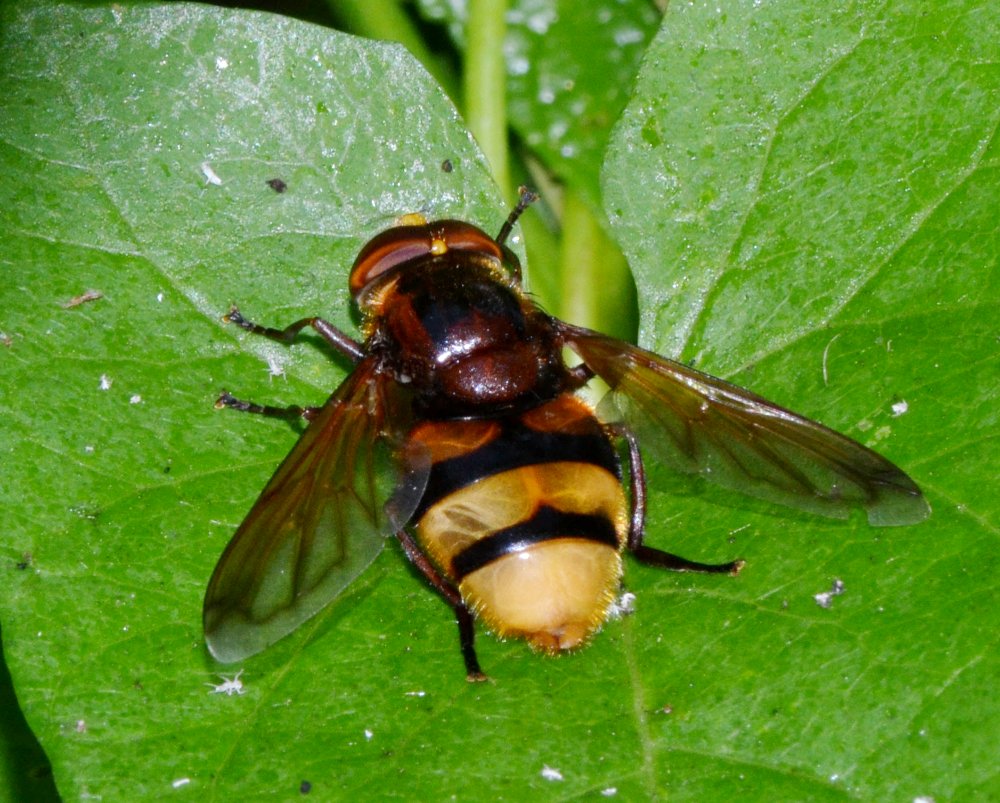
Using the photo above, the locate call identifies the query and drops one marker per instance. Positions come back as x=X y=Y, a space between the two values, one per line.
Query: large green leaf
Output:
x=808 y=196
x=757 y=244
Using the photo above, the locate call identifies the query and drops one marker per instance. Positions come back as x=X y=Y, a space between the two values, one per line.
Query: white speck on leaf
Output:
x=275 y=366
x=899 y=408
x=210 y=175
x=180 y=782
x=551 y=774
x=229 y=686
x=106 y=382
x=825 y=599
x=622 y=606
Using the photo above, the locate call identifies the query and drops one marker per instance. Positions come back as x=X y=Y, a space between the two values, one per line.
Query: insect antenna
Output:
x=525 y=199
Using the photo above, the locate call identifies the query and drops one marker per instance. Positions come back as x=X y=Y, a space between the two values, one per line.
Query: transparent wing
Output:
x=697 y=423
x=319 y=522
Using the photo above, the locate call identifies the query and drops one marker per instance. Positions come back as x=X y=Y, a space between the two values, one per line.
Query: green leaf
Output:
x=795 y=196
x=807 y=195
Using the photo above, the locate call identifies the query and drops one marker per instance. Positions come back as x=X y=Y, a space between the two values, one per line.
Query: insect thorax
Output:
x=467 y=341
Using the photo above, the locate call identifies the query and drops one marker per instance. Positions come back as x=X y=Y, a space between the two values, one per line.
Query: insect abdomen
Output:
x=526 y=515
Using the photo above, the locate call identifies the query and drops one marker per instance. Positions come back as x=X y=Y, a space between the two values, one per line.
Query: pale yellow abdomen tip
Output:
x=554 y=594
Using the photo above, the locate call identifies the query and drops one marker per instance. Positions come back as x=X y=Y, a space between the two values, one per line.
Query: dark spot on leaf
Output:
x=276 y=184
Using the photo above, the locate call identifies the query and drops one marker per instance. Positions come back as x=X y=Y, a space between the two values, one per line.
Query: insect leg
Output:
x=580 y=375
x=330 y=333
x=647 y=554
x=289 y=413
x=466 y=624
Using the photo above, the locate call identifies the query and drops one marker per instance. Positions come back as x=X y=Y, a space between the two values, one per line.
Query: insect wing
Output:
x=697 y=423
x=316 y=526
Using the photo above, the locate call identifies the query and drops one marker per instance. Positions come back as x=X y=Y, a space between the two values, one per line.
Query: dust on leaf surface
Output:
x=126 y=484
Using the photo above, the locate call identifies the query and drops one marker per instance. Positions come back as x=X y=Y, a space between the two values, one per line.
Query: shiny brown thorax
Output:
x=457 y=329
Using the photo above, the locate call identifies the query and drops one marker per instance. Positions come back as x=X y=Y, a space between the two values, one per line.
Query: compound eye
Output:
x=460 y=236
x=386 y=251
x=401 y=244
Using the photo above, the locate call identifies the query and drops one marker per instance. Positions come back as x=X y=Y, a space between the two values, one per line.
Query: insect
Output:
x=506 y=490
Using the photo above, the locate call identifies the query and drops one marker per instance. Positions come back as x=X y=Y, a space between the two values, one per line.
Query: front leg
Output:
x=330 y=333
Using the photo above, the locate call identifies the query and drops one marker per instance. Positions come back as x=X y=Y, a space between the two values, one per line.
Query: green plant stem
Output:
x=484 y=86
x=386 y=20
x=597 y=288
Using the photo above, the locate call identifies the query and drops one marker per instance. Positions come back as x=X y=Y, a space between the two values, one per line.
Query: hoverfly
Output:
x=508 y=491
